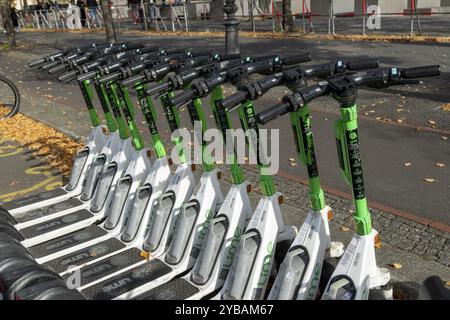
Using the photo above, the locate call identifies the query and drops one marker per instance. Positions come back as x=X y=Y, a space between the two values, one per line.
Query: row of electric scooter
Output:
x=126 y=227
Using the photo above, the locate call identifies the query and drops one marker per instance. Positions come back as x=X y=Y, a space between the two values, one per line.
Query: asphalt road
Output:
x=386 y=145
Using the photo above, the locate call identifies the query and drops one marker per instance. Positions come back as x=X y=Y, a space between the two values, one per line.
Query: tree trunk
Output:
x=288 y=21
x=5 y=12
x=108 y=21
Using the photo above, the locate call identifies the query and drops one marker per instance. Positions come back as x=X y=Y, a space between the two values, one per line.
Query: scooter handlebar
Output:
x=296 y=59
x=362 y=64
x=182 y=97
x=273 y=112
x=132 y=80
x=57 y=69
x=87 y=75
x=110 y=77
x=36 y=63
x=420 y=72
x=233 y=100
x=158 y=87
x=67 y=76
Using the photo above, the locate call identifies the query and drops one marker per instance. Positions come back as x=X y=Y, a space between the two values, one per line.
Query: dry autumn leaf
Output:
x=407 y=164
x=396 y=265
x=431 y=122
x=444 y=138
x=345 y=229
x=430 y=180
x=440 y=164
x=378 y=245
x=446 y=107
x=14 y=183
x=291 y=159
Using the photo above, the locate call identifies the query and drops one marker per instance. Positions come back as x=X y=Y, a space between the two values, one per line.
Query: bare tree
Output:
x=107 y=20
x=288 y=21
x=5 y=12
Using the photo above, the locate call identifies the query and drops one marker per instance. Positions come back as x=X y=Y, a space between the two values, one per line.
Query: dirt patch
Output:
x=53 y=146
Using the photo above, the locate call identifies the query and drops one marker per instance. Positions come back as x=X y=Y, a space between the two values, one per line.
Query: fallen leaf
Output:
x=293 y=164
x=291 y=159
x=430 y=180
x=446 y=107
x=396 y=265
x=407 y=164
x=378 y=245
x=444 y=138
x=400 y=120
x=447 y=283
x=345 y=229
x=431 y=122
x=440 y=164
x=14 y=183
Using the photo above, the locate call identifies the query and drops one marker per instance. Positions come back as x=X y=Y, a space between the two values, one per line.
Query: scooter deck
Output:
x=48 y=210
x=34 y=198
x=108 y=266
x=85 y=255
x=127 y=281
x=175 y=289
x=66 y=241
x=55 y=224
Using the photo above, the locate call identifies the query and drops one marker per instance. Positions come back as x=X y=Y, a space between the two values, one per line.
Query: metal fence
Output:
x=198 y=16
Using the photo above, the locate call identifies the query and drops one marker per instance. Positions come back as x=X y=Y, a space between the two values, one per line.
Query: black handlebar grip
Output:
x=87 y=75
x=298 y=58
x=57 y=69
x=67 y=76
x=420 y=72
x=363 y=64
x=132 y=80
x=181 y=98
x=36 y=63
x=110 y=77
x=234 y=99
x=272 y=113
x=158 y=87
x=50 y=65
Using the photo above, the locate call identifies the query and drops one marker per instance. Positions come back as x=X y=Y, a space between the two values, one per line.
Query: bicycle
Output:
x=9 y=98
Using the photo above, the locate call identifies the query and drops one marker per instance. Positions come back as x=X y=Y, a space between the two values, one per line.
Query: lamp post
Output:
x=231 y=28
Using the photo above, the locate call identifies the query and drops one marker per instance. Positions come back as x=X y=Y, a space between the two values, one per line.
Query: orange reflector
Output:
x=330 y=215
x=219 y=175
x=145 y=255
x=249 y=188
x=377 y=241
x=193 y=167
x=280 y=200
x=104 y=129
x=170 y=162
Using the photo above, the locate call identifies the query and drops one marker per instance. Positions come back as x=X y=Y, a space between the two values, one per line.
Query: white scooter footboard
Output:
x=252 y=265
x=299 y=274
x=178 y=191
x=154 y=186
x=357 y=271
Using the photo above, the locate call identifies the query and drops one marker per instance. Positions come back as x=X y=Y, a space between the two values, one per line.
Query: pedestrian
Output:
x=82 y=5
x=92 y=6
x=15 y=18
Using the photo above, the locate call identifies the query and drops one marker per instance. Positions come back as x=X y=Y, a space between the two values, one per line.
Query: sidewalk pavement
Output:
x=420 y=248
